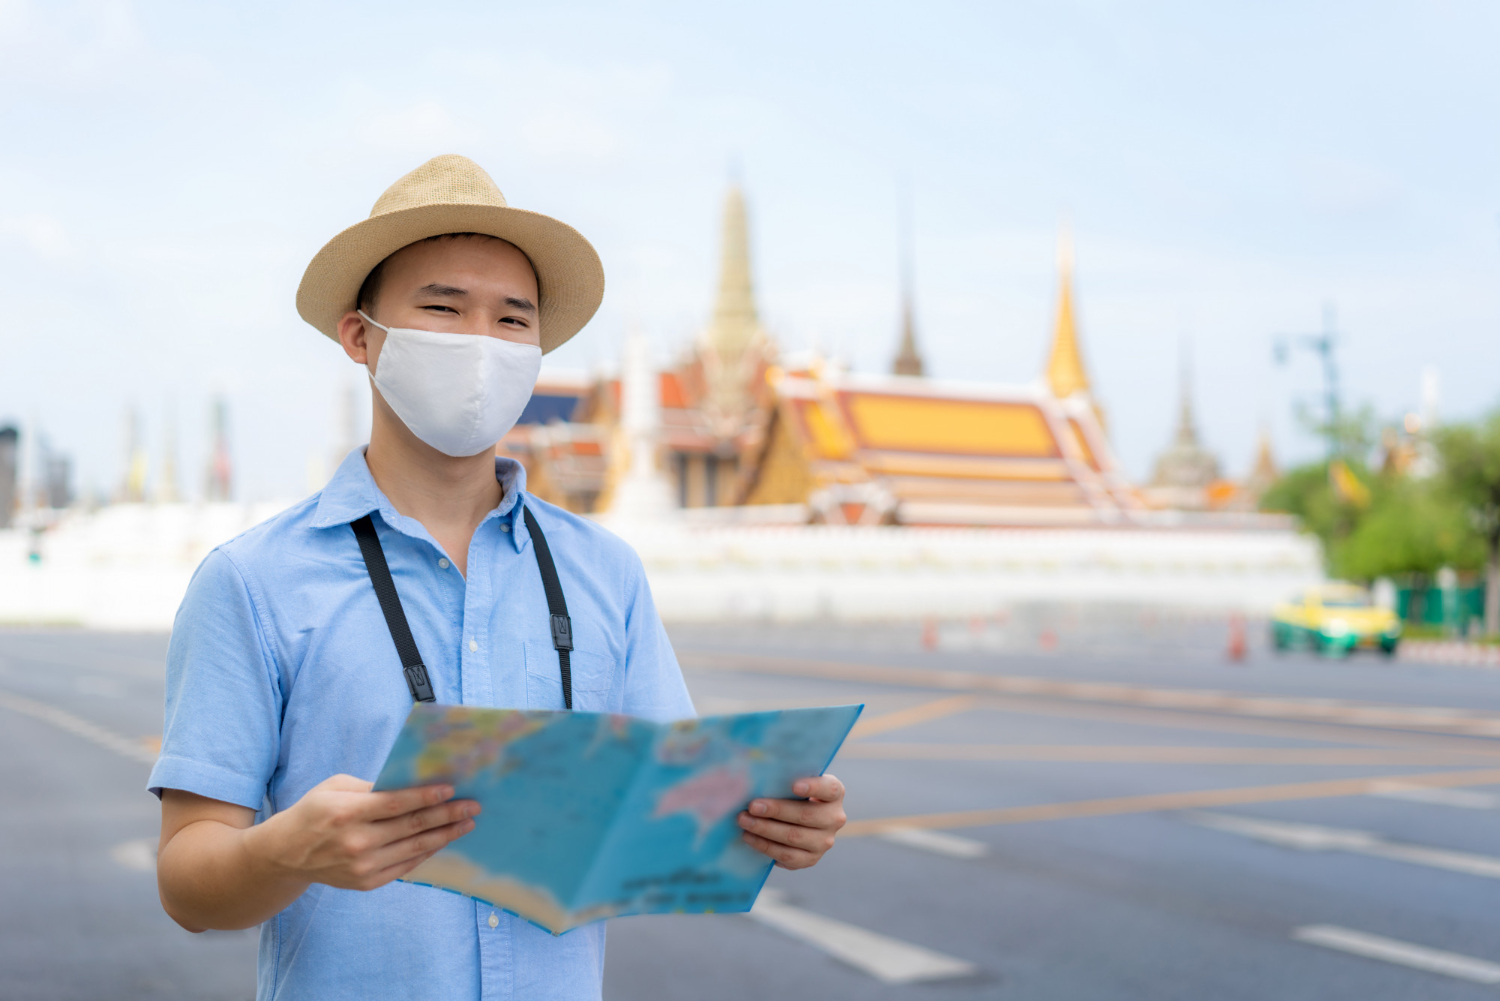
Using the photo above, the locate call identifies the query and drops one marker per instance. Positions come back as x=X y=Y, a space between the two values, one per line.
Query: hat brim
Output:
x=570 y=277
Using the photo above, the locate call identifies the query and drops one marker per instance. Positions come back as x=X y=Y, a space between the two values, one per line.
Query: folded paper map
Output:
x=590 y=815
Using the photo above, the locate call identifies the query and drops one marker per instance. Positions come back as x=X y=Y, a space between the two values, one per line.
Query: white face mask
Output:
x=460 y=393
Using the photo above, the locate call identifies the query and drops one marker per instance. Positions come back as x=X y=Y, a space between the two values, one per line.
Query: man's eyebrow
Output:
x=524 y=305
x=443 y=290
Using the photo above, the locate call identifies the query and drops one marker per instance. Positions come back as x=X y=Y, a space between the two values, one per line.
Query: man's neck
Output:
x=449 y=496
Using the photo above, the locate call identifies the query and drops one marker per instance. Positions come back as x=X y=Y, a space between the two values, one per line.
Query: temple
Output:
x=758 y=485
x=1186 y=473
x=742 y=433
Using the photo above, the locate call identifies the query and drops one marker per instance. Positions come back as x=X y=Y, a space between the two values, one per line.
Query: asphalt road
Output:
x=1191 y=828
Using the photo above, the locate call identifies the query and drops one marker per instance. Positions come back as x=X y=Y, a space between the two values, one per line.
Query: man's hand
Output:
x=217 y=868
x=342 y=834
x=796 y=832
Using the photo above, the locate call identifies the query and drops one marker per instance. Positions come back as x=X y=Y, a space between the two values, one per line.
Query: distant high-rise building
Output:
x=57 y=480
x=166 y=477
x=133 y=487
x=219 y=481
x=9 y=454
x=343 y=425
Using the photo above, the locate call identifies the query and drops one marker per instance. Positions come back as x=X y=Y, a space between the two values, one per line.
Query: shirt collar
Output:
x=352 y=494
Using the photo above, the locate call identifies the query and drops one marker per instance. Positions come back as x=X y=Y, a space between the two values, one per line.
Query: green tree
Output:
x=1307 y=494
x=1410 y=527
x=1470 y=476
x=1407 y=526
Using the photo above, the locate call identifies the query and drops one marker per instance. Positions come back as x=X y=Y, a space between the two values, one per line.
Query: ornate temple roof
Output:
x=936 y=452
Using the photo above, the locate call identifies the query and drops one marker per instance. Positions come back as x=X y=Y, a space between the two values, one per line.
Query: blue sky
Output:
x=168 y=169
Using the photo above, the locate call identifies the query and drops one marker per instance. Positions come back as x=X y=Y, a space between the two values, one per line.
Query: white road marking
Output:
x=886 y=959
x=77 y=725
x=93 y=684
x=1311 y=838
x=138 y=854
x=938 y=842
x=1464 y=799
x=1390 y=950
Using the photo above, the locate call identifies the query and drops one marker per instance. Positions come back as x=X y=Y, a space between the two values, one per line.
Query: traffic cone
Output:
x=1237 y=646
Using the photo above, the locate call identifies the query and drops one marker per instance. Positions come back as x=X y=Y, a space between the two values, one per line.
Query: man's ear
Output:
x=354 y=336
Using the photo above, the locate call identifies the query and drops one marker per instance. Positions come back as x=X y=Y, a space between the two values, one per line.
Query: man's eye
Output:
x=445 y=309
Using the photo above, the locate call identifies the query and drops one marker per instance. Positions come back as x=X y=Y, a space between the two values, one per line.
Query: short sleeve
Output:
x=654 y=688
x=221 y=737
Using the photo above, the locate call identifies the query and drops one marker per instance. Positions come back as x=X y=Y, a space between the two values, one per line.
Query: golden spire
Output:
x=734 y=322
x=907 y=361
x=733 y=344
x=1065 y=372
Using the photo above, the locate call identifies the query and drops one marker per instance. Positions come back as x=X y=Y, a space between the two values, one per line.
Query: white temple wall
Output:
x=127 y=566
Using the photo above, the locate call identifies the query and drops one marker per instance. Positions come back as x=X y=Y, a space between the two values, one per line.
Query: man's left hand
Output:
x=796 y=832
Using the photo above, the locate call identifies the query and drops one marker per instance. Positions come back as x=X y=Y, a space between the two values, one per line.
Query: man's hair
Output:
x=370 y=290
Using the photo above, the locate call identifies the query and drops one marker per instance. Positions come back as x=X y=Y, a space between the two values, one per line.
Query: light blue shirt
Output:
x=281 y=672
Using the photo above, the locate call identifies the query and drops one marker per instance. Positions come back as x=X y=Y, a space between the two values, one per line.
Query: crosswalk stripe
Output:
x=889 y=960
x=1390 y=950
x=1312 y=838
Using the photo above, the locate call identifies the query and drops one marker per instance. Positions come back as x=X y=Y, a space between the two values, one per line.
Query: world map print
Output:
x=592 y=815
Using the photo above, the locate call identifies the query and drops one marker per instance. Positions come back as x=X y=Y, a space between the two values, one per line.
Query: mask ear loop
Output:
x=370 y=321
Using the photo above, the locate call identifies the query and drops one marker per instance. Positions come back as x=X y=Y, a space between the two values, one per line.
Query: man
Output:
x=284 y=688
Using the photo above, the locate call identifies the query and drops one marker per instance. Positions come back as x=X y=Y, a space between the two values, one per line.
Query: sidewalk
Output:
x=1453 y=652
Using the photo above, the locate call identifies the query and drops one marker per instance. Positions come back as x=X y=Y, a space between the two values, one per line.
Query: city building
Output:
x=218 y=475
x=9 y=474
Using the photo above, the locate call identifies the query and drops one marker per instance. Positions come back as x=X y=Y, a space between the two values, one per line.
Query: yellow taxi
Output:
x=1334 y=618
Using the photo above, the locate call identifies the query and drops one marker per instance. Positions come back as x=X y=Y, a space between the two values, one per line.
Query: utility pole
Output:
x=1323 y=345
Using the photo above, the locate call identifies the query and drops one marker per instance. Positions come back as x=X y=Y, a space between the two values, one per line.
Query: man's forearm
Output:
x=210 y=875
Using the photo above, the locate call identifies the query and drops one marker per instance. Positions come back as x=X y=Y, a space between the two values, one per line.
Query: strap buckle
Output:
x=562 y=632
x=416 y=680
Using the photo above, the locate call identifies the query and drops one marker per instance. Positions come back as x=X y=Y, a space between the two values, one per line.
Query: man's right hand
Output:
x=217 y=868
x=342 y=834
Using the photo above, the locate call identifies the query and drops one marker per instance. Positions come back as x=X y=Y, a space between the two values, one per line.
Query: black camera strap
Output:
x=415 y=671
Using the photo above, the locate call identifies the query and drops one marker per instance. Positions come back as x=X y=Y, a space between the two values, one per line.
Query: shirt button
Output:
x=473 y=647
x=494 y=920
x=443 y=564
x=504 y=527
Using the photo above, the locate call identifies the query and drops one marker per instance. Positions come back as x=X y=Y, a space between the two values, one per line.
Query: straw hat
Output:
x=452 y=194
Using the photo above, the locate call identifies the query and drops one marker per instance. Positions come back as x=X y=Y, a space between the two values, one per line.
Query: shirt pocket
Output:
x=593 y=676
